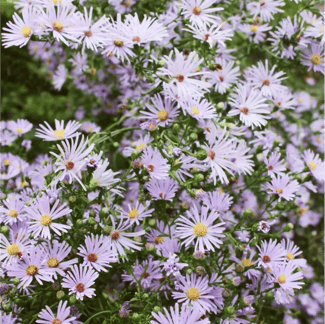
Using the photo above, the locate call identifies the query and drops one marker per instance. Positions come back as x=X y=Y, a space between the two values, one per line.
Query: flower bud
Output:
x=198 y=177
x=16 y=281
x=220 y=105
x=60 y=294
x=4 y=230
x=161 y=63
x=201 y=154
x=289 y=227
x=193 y=137
x=91 y=221
x=247 y=213
x=156 y=309
x=152 y=222
x=73 y=299
x=230 y=310
x=79 y=222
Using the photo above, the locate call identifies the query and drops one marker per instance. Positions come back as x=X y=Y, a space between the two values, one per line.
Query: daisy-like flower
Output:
x=224 y=76
x=267 y=81
x=59 y=77
x=12 y=211
x=30 y=267
x=104 y=178
x=218 y=200
x=266 y=9
x=315 y=164
x=90 y=127
x=197 y=292
x=164 y=189
x=119 y=238
x=255 y=32
x=139 y=145
x=119 y=46
x=213 y=35
x=199 y=108
x=97 y=253
x=42 y=216
x=79 y=62
x=62 y=315
x=176 y=315
x=163 y=111
x=275 y=164
x=21 y=30
x=199 y=11
x=283 y=187
x=271 y=253
x=94 y=33
x=55 y=253
x=71 y=160
x=11 y=251
x=288 y=280
x=292 y=252
x=250 y=106
x=181 y=71
x=19 y=127
x=60 y=132
x=142 y=32
x=136 y=213
x=79 y=280
x=314 y=58
x=202 y=227
x=156 y=165
x=218 y=157
x=63 y=22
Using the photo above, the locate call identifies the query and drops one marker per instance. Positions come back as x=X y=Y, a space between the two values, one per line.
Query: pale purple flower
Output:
x=164 y=189
x=271 y=253
x=156 y=165
x=19 y=127
x=60 y=132
x=283 y=187
x=62 y=315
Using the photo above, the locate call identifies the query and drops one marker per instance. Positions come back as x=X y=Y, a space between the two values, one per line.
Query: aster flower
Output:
x=314 y=58
x=119 y=238
x=172 y=266
x=21 y=30
x=181 y=72
x=97 y=253
x=163 y=111
x=218 y=200
x=266 y=9
x=269 y=82
x=19 y=127
x=199 y=11
x=288 y=280
x=199 y=108
x=63 y=22
x=275 y=164
x=271 y=253
x=79 y=61
x=197 y=292
x=104 y=178
x=7 y=137
x=202 y=228
x=30 y=267
x=156 y=165
x=256 y=32
x=292 y=252
x=136 y=213
x=90 y=127
x=12 y=211
x=250 y=106
x=283 y=187
x=164 y=189
x=119 y=46
x=55 y=253
x=224 y=75
x=138 y=145
x=62 y=315
x=79 y=280
x=42 y=217
x=176 y=315
x=60 y=132
x=315 y=164
x=71 y=160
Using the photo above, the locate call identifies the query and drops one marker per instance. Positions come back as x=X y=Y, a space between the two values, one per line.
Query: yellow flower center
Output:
x=133 y=213
x=246 y=263
x=57 y=320
x=197 y=11
x=193 y=294
x=32 y=270
x=300 y=100
x=118 y=43
x=46 y=220
x=58 y=26
x=159 y=240
x=313 y=165
x=316 y=59
x=195 y=110
x=56 y=1
x=53 y=263
x=163 y=115
x=19 y=130
x=13 y=249
x=90 y=129
x=24 y=184
x=254 y=29
x=6 y=162
x=13 y=213
x=26 y=31
x=290 y=256
x=200 y=229
x=279 y=191
x=59 y=134
x=282 y=279
x=141 y=147
x=318 y=140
